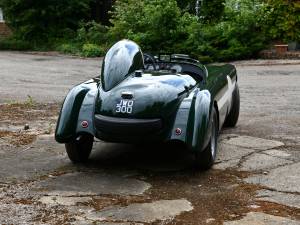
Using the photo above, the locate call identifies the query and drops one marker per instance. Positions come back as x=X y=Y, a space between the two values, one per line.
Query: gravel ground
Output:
x=254 y=181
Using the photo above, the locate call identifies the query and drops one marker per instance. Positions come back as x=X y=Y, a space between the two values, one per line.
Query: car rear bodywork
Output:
x=128 y=104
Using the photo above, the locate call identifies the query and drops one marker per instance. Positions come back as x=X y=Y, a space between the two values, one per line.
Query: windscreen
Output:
x=122 y=59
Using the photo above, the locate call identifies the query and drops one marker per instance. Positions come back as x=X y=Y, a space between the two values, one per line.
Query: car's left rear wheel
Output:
x=80 y=148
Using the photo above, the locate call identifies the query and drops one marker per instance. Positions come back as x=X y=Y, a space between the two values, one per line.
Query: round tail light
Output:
x=85 y=124
x=178 y=131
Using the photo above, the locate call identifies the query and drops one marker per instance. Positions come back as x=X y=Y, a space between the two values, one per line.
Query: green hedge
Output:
x=160 y=26
x=226 y=30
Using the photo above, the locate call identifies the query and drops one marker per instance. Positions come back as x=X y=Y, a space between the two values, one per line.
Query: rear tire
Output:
x=205 y=159
x=80 y=149
x=233 y=116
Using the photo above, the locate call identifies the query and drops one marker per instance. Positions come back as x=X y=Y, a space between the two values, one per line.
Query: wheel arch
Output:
x=193 y=117
x=67 y=123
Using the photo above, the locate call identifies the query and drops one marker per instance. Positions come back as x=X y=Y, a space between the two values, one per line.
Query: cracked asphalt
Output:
x=255 y=180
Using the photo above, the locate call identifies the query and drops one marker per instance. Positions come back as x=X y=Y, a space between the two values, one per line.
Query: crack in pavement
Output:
x=279 y=191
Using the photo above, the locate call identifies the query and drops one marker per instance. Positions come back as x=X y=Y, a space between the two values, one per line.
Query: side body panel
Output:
x=194 y=114
x=193 y=119
x=221 y=83
x=79 y=103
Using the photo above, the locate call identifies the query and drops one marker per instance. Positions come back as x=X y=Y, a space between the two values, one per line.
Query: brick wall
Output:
x=272 y=54
x=4 y=30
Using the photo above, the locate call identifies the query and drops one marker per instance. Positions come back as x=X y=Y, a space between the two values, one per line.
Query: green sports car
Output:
x=139 y=98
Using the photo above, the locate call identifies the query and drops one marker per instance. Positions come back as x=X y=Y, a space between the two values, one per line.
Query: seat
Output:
x=194 y=71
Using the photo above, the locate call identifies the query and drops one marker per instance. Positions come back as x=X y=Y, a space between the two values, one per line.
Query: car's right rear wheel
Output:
x=80 y=148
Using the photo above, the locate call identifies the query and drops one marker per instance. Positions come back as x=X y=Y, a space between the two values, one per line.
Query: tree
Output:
x=187 y=5
x=212 y=10
x=283 y=20
x=100 y=10
x=38 y=20
x=155 y=24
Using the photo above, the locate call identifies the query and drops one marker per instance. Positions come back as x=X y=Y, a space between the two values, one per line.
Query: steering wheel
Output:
x=149 y=60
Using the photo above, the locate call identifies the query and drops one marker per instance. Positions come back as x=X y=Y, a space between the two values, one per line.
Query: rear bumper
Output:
x=128 y=130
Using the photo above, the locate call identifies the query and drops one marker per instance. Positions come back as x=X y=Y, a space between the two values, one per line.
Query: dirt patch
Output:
x=5 y=133
x=19 y=138
x=20 y=113
x=278 y=210
x=216 y=195
x=39 y=119
x=99 y=203
x=23 y=201
x=54 y=215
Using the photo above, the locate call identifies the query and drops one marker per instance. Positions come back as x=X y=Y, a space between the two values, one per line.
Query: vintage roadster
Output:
x=139 y=98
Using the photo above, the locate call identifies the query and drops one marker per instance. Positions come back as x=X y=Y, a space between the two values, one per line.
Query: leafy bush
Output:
x=238 y=36
x=161 y=26
x=155 y=25
x=89 y=41
x=92 y=32
x=69 y=48
x=226 y=30
x=92 y=50
x=13 y=44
